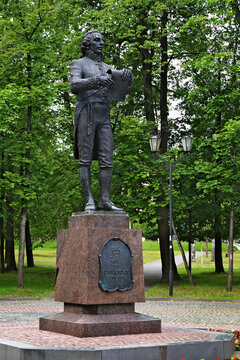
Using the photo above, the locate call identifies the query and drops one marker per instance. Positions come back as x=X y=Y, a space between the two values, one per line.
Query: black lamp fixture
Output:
x=154 y=142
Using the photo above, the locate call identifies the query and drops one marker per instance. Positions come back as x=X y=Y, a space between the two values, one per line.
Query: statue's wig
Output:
x=85 y=45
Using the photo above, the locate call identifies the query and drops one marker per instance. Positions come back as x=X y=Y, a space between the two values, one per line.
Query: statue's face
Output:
x=96 y=43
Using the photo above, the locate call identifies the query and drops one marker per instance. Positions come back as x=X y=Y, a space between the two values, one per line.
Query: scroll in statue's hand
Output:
x=106 y=82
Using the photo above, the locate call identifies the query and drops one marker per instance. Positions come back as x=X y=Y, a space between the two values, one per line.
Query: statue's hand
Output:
x=106 y=82
x=127 y=74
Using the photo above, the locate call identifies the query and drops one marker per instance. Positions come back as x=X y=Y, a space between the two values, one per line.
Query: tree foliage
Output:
x=184 y=55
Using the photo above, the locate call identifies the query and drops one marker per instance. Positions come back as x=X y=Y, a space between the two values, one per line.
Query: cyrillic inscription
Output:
x=115 y=266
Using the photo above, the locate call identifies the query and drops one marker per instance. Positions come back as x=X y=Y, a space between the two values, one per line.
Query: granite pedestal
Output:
x=88 y=310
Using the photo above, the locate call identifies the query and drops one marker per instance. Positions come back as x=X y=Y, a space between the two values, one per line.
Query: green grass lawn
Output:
x=209 y=285
x=39 y=281
x=151 y=251
x=45 y=257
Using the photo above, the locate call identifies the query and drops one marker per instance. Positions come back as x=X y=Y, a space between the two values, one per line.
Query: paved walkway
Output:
x=153 y=270
x=19 y=321
x=181 y=313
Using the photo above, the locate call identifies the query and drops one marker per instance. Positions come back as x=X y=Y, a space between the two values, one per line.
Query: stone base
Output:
x=85 y=275
x=78 y=262
x=100 y=320
x=87 y=325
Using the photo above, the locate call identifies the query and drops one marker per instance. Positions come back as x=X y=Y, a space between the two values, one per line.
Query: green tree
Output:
x=208 y=92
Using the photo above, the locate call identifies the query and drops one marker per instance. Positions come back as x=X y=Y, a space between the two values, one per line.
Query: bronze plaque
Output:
x=115 y=266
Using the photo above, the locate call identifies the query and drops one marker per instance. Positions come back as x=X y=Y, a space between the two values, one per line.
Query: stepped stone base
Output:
x=91 y=309
x=100 y=321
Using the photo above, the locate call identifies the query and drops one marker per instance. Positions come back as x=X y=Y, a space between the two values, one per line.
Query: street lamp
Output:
x=187 y=143
x=154 y=142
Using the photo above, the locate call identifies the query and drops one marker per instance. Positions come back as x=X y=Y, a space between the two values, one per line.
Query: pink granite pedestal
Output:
x=88 y=310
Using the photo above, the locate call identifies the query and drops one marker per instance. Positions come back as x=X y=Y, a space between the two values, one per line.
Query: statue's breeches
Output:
x=94 y=135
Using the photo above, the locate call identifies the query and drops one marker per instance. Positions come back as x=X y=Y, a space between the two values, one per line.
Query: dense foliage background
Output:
x=184 y=55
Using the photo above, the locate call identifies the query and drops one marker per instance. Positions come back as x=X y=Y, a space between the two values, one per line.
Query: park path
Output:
x=19 y=321
x=153 y=270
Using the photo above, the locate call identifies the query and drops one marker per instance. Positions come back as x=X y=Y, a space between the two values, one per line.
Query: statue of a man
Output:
x=93 y=83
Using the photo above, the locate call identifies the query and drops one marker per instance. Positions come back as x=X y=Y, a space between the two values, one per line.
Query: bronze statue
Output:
x=95 y=84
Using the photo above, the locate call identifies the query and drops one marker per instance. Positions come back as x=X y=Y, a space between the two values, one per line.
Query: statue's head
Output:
x=92 y=42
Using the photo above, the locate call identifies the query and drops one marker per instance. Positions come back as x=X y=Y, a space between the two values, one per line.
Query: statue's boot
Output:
x=105 y=179
x=85 y=181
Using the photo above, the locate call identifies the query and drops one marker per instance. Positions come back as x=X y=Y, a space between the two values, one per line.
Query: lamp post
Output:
x=154 y=142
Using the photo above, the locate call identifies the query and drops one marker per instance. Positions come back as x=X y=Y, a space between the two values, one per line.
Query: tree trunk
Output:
x=23 y=220
x=23 y=216
x=164 y=83
x=9 y=253
x=230 y=249
x=24 y=227
x=218 y=238
x=163 y=231
x=183 y=256
x=30 y=262
x=147 y=85
x=146 y=60
x=148 y=98
x=218 y=252
x=163 y=227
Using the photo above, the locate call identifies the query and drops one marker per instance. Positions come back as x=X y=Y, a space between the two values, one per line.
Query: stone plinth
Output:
x=88 y=325
x=78 y=266
x=88 y=310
